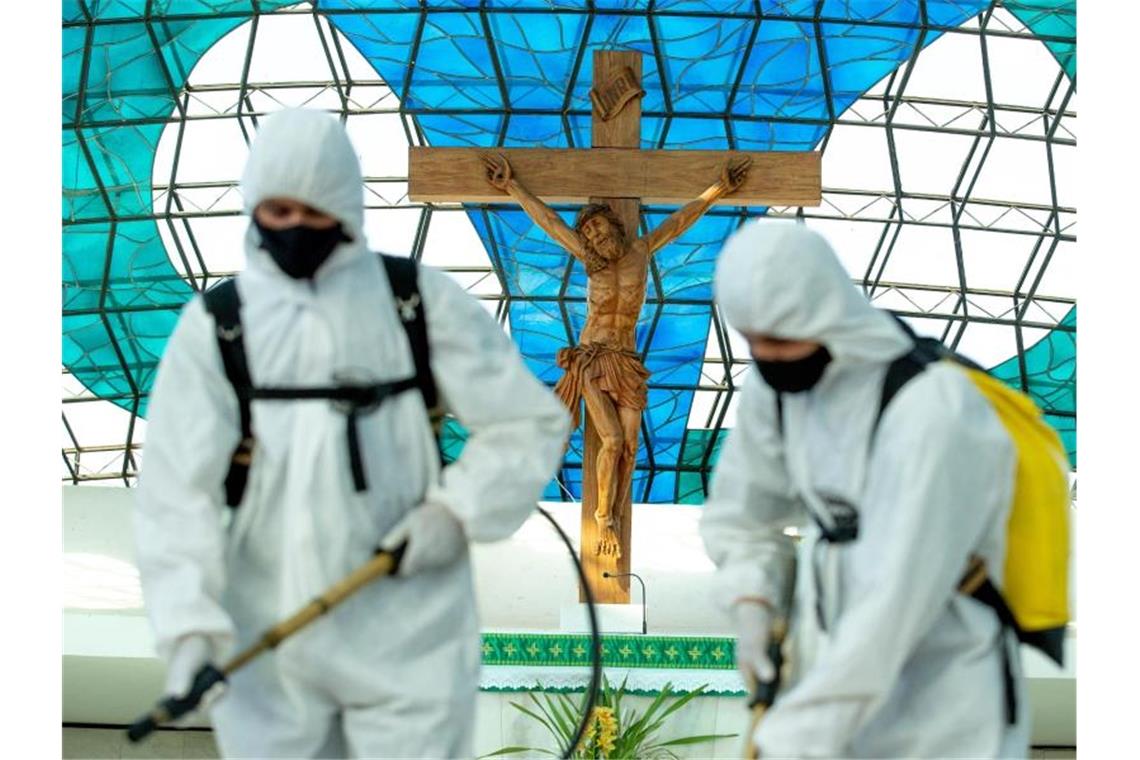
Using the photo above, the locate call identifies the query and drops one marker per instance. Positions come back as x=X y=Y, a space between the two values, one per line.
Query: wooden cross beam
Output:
x=617 y=173
x=569 y=175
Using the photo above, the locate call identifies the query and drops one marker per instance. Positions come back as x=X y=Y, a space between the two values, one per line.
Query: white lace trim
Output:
x=514 y=678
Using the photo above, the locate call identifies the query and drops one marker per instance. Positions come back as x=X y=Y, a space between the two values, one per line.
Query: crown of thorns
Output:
x=598 y=209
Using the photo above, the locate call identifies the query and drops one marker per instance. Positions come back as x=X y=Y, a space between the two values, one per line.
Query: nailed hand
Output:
x=498 y=170
x=734 y=173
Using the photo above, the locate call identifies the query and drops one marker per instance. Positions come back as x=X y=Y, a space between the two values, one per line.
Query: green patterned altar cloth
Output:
x=520 y=661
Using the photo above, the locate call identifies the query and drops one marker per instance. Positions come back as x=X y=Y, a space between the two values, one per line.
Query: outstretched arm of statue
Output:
x=500 y=176
x=731 y=178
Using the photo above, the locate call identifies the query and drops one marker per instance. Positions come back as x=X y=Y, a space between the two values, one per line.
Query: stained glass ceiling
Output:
x=946 y=127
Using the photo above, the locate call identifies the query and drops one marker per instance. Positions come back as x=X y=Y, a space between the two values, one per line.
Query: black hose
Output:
x=173 y=708
x=595 y=637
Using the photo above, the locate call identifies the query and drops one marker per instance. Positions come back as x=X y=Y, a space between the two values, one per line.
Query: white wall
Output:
x=110 y=672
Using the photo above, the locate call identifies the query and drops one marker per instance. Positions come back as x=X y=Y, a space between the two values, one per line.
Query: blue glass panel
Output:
x=535 y=131
x=384 y=40
x=72 y=11
x=531 y=262
x=686 y=265
x=787 y=7
x=1050 y=377
x=125 y=78
x=471 y=130
x=116 y=9
x=782 y=75
x=697 y=134
x=537 y=53
x=572 y=481
x=1052 y=18
x=538 y=330
x=137 y=276
x=663 y=489
x=780 y=105
x=553 y=492
x=84 y=264
x=73 y=45
x=113 y=354
x=123 y=158
x=705 y=6
x=887 y=11
x=1066 y=426
x=676 y=351
x=81 y=196
x=952 y=12
x=453 y=68
x=701 y=59
x=858 y=56
x=762 y=134
x=180 y=7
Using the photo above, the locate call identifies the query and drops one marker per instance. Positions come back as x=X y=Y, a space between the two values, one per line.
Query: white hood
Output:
x=306 y=155
x=783 y=280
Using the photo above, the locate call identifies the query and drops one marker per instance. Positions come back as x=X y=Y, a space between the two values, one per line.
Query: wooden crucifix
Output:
x=613 y=177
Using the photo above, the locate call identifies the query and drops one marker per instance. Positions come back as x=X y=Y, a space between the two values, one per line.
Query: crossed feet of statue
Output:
x=608 y=543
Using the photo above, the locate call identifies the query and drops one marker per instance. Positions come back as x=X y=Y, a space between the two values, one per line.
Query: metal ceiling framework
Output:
x=100 y=122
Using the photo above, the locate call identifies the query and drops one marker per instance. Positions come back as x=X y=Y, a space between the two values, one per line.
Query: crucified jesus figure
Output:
x=604 y=369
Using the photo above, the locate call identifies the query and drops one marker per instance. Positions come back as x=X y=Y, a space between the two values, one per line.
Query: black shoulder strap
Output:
x=780 y=414
x=224 y=304
x=900 y=372
x=403 y=276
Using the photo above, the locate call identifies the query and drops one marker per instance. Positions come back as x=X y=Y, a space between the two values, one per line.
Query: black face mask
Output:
x=795 y=376
x=299 y=251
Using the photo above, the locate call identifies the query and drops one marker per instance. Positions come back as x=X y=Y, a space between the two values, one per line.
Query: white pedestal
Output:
x=612 y=618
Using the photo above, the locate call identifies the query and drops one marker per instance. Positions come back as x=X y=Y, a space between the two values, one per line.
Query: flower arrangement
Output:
x=613 y=732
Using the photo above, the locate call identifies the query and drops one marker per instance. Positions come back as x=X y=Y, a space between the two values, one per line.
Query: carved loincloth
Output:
x=619 y=373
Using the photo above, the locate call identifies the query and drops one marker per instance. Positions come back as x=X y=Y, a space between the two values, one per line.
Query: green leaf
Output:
x=511 y=751
x=565 y=731
x=646 y=725
x=550 y=719
x=693 y=740
x=682 y=701
x=534 y=715
x=542 y=708
x=573 y=717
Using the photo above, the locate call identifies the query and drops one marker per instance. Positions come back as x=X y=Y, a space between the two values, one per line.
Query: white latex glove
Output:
x=189 y=655
x=753 y=622
x=435 y=538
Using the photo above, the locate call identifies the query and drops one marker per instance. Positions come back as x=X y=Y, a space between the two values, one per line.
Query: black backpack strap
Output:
x=403 y=276
x=780 y=414
x=350 y=399
x=224 y=304
x=988 y=594
x=900 y=372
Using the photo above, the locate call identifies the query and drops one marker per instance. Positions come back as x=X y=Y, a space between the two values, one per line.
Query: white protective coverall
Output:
x=393 y=672
x=902 y=665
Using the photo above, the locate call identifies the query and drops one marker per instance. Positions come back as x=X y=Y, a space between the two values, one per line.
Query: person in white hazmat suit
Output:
x=885 y=658
x=393 y=671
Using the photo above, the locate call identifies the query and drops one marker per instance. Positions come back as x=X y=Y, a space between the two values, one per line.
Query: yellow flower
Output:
x=606 y=723
x=588 y=736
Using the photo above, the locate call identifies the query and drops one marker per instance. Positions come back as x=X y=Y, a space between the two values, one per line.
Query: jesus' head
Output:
x=602 y=230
